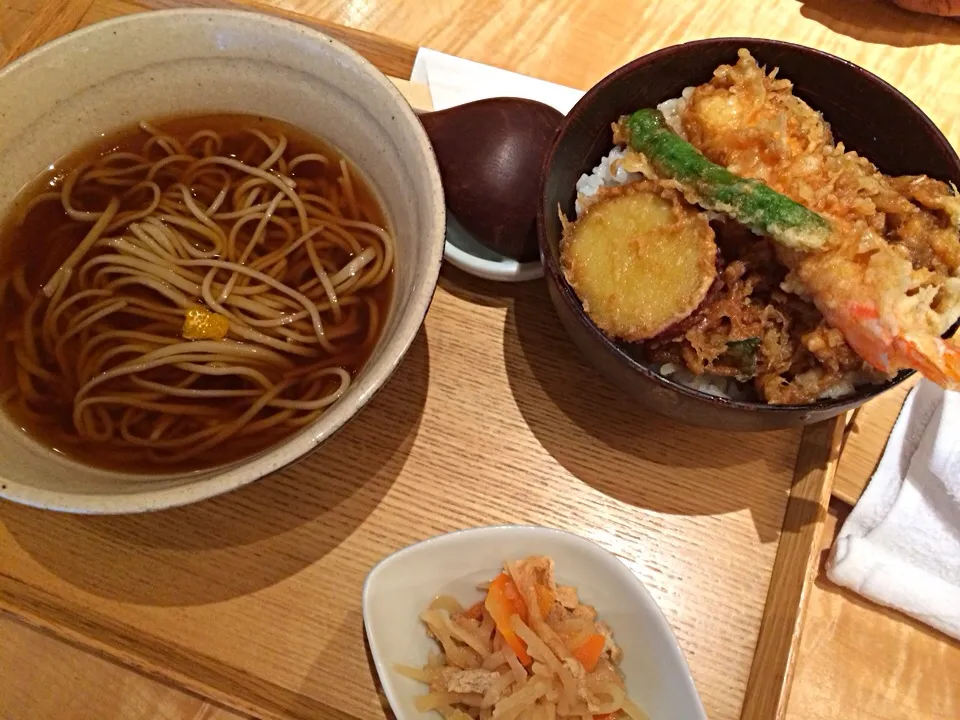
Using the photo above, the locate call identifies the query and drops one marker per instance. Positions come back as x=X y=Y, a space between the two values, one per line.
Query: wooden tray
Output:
x=866 y=437
x=253 y=599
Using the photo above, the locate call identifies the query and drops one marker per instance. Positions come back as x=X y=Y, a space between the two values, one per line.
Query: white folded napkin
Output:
x=900 y=546
x=455 y=81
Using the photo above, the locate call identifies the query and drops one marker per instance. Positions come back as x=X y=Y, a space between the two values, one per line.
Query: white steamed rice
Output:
x=609 y=173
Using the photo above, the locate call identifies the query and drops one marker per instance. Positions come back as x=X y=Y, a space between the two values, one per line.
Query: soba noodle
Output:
x=277 y=244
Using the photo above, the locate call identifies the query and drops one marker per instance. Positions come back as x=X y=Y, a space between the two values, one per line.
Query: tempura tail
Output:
x=750 y=202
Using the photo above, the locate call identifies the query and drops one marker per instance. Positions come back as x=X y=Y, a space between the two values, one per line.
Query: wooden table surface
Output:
x=856 y=660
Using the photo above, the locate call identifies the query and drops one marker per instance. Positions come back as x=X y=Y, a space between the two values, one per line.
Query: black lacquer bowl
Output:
x=866 y=113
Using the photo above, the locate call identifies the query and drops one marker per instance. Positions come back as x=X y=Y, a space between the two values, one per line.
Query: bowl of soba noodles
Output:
x=219 y=234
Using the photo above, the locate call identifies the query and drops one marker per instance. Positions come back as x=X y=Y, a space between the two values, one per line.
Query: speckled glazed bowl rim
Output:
x=555 y=271
x=229 y=477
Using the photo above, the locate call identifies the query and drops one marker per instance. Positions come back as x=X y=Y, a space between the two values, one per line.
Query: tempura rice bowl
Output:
x=866 y=113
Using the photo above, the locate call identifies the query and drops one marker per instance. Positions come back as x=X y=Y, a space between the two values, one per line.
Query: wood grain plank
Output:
x=796 y=564
x=64 y=682
x=53 y=19
x=15 y=16
x=866 y=440
x=392 y=57
x=416 y=94
x=157 y=659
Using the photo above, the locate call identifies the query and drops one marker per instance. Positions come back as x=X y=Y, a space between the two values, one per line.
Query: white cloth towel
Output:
x=455 y=81
x=900 y=546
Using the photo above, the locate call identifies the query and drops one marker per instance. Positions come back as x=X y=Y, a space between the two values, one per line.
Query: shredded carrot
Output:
x=608 y=716
x=474 y=612
x=503 y=602
x=545 y=599
x=590 y=651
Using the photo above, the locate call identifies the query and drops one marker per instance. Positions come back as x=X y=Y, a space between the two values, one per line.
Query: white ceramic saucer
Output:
x=464 y=251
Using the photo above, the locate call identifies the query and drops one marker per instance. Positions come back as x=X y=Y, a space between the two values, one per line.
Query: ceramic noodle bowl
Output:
x=150 y=66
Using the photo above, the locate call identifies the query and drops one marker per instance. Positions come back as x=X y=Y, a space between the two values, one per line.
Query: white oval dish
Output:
x=401 y=586
x=107 y=77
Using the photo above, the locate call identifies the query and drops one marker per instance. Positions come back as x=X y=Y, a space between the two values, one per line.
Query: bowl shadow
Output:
x=563 y=399
x=882 y=22
x=342 y=641
x=248 y=539
x=478 y=291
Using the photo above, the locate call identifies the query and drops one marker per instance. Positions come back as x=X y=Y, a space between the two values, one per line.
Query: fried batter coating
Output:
x=749 y=329
x=751 y=123
x=640 y=259
x=889 y=279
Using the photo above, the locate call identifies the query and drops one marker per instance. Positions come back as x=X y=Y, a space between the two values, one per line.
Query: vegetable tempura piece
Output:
x=713 y=187
x=530 y=650
x=640 y=259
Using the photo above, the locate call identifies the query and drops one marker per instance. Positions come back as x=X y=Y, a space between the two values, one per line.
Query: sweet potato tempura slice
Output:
x=640 y=259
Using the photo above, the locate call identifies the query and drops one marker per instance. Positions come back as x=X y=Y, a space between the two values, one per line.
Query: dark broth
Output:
x=40 y=243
